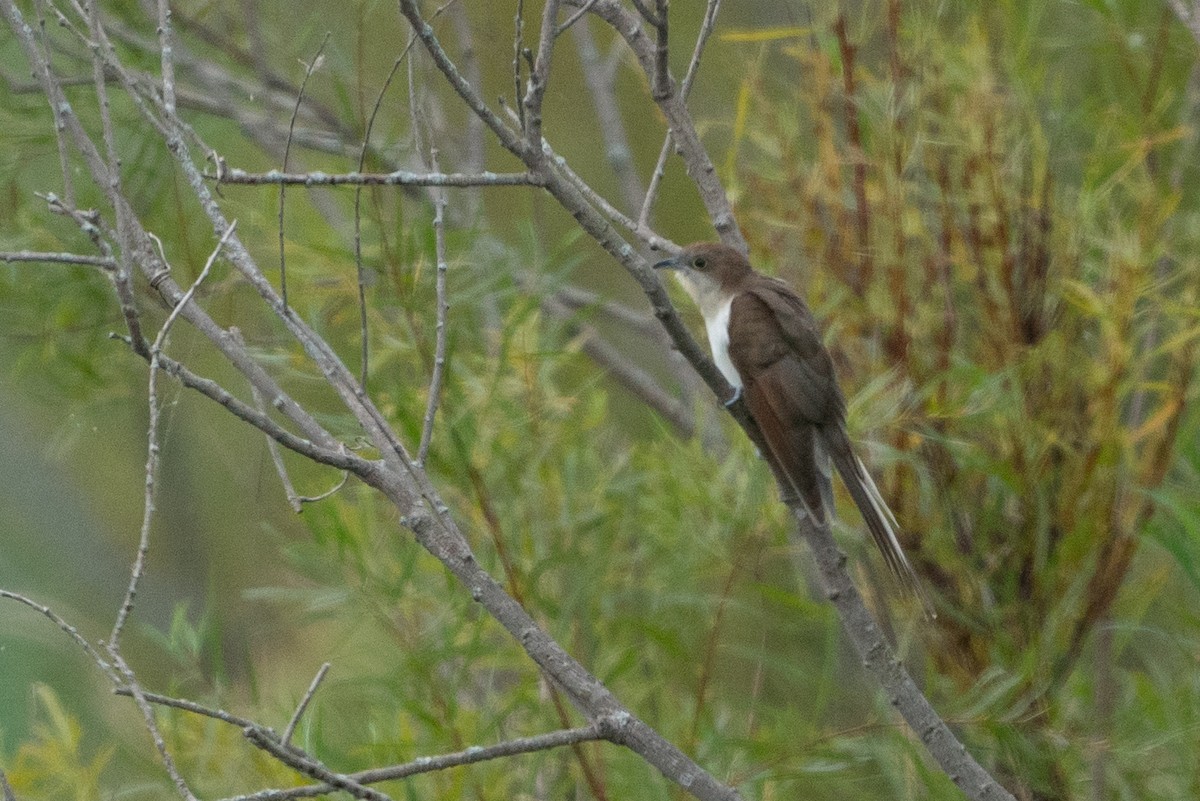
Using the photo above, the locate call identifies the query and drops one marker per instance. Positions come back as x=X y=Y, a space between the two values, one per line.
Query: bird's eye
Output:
x=699 y=263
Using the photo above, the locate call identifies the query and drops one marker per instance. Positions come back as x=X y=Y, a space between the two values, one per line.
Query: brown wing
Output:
x=786 y=340
x=792 y=444
x=789 y=384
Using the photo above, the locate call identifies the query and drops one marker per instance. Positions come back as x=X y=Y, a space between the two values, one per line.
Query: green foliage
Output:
x=1024 y=277
x=55 y=763
x=996 y=218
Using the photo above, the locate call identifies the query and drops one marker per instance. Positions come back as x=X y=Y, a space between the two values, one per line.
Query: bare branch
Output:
x=286 y=737
x=188 y=706
x=518 y=54
x=309 y=766
x=70 y=630
x=105 y=263
x=706 y=29
x=695 y=158
x=660 y=83
x=359 y=269
x=335 y=456
x=652 y=240
x=397 y=178
x=571 y=20
x=289 y=490
x=443 y=309
x=64 y=160
x=135 y=690
x=168 y=55
x=539 y=77
x=646 y=13
x=470 y=756
x=603 y=728
x=152 y=459
x=123 y=277
x=309 y=69
x=880 y=661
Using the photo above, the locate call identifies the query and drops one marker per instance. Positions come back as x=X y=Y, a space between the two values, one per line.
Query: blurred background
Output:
x=992 y=208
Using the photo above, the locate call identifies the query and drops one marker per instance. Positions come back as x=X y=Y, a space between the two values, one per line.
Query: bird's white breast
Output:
x=717 y=324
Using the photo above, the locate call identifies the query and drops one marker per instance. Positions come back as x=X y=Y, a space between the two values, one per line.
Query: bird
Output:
x=767 y=344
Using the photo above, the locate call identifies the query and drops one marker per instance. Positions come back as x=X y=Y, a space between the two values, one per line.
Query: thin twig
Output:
x=695 y=157
x=106 y=263
x=469 y=756
x=64 y=160
x=397 y=178
x=309 y=766
x=660 y=85
x=443 y=309
x=646 y=13
x=286 y=737
x=152 y=457
x=660 y=167
x=139 y=697
x=539 y=76
x=571 y=20
x=123 y=276
x=652 y=240
x=187 y=706
x=106 y=126
x=327 y=493
x=289 y=489
x=660 y=171
x=70 y=630
x=359 y=268
x=309 y=69
x=168 y=55
x=518 y=48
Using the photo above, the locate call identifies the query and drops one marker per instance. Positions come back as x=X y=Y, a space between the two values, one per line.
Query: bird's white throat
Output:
x=717 y=325
x=714 y=305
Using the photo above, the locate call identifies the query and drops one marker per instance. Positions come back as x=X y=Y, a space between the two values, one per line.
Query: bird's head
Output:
x=709 y=271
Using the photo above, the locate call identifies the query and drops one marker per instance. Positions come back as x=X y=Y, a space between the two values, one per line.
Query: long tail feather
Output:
x=875 y=512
